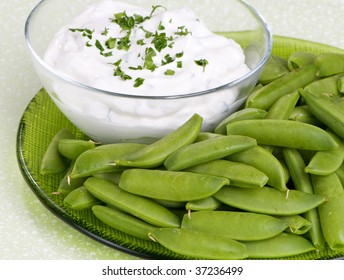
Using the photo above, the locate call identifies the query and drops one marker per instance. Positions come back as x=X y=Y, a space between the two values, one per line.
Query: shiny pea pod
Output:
x=67 y=184
x=264 y=161
x=327 y=85
x=170 y=185
x=243 y=114
x=156 y=153
x=99 y=159
x=206 y=136
x=138 y=206
x=275 y=68
x=208 y=203
x=331 y=212
x=340 y=84
x=299 y=59
x=239 y=174
x=296 y=224
x=73 y=148
x=302 y=182
x=53 y=162
x=111 y=176
x=269 y=94
x=327 y=109
x=330 y=64
x=207 y=150
x=236 y=225
x=269 y=201
x=280 y=246
x=284 y=133
x=340 y=173
x=80 y=199
x=283 y=107
x=327 y=162
x=198 y=244
x=122 y=221
x=303 y=114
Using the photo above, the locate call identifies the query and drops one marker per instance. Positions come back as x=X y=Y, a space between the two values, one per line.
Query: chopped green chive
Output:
x=138 y=82
x=202 y=62
x=169 y=72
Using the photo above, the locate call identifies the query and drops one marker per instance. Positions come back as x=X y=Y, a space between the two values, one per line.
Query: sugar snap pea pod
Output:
x=138 y=206
x=72 y=148
x=239 y=174
x=99 y=159
x=302 y=182
x=284 y=133
x=274 y=69
x=80 y=199
x=170 y=185
x=111 y=176
x=331 y=212
x=243 y=114
x=269 y=94
x=122 y=221
x=155 y=154
x=207 y=150
x=283 y=107
x=68 y=184
x=330 y=64
x=269 y=201
x=170 y=204
x=340 y=84
x=208 y=203
x=340 y=173
x=236 y=225
x=53 y=162
x=327 y=162
x=327 y=109
x=264 y=161
x=303 y=114
x=198 y=244
x=280 y=246
x=297 y=224
x=298 y=60
x=327 y=85
x=206 y=135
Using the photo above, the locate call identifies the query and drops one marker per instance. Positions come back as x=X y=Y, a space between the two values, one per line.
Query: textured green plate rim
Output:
x=40 y=122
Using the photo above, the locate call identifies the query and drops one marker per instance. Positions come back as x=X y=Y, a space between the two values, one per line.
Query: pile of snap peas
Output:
x=266 y=183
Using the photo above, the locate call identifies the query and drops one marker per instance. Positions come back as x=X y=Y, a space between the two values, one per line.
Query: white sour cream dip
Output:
x=130 y=50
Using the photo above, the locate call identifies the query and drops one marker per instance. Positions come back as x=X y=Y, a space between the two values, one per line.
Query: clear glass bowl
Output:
x=113 y=117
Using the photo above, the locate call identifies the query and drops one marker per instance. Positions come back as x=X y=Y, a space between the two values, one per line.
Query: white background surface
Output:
x=27 y=229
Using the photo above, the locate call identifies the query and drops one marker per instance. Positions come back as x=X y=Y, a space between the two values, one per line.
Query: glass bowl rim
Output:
x=69 y=80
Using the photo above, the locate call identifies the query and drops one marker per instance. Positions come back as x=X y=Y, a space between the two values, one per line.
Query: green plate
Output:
x=42 y=120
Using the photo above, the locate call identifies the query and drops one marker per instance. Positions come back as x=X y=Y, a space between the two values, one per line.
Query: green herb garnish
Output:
x=202 y=62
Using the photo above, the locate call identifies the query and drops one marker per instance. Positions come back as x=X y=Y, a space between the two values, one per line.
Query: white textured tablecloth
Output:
x=27 y=229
